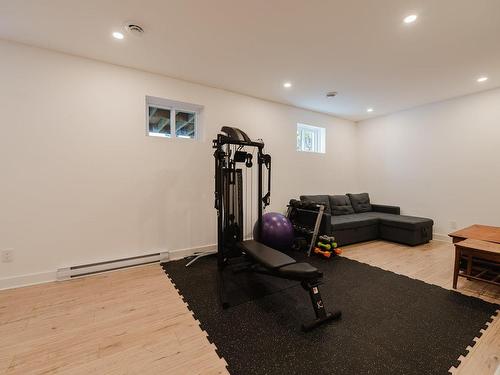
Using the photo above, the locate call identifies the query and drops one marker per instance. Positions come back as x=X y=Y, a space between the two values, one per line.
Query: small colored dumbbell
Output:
x=324 y=246
x=327 y=239
x=326 y=254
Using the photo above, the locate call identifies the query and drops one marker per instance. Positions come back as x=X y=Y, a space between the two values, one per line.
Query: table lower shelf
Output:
x=480 y=269
x=477 y=260
x=494 y=279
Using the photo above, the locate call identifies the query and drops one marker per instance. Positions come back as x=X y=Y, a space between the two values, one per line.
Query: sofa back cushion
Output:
x=318 y=199
x=340 y=205
x=360 y=202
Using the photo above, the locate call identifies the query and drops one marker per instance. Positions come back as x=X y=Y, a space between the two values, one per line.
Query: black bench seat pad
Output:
x=280 y=264
x=266 y=255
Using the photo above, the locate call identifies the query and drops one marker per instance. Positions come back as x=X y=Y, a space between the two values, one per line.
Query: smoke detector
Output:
x=331 y=94
x=135 y=29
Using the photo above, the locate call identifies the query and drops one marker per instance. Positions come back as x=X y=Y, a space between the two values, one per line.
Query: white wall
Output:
x=441 y=160
x=80 y=181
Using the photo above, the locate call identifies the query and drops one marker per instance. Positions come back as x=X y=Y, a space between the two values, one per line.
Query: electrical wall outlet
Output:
x=7 y=255
x=453 y=224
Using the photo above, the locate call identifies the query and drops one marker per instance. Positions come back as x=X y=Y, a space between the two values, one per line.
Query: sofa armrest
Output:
x=386 y=209
x=308 y=218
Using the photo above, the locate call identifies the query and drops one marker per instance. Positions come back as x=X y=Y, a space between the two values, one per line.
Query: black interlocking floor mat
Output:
x=390 y=324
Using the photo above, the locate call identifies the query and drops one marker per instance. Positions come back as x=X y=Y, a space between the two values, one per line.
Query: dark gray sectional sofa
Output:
x=353 y=218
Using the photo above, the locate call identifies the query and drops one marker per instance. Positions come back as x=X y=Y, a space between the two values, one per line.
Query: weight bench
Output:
x=275 y=263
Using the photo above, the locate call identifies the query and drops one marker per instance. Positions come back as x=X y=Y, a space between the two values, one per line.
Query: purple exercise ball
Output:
x=277 y=231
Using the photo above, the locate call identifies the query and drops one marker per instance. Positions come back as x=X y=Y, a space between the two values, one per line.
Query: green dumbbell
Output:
x=324 y=246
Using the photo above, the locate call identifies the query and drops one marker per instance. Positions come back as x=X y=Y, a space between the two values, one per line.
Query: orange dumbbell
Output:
x=326 y=254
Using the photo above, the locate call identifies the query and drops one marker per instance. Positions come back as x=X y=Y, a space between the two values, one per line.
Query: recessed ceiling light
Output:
x=118 y=35
x=369 y=110
x=482 y=79
x=331 y=94
x=410 y=19
x=287 y=85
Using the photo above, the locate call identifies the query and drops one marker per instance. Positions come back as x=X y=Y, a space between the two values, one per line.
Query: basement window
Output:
x=311 y=138
x=172 y=119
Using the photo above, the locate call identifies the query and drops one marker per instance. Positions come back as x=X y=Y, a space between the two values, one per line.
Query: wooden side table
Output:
x=484 y=250
x=477 y=232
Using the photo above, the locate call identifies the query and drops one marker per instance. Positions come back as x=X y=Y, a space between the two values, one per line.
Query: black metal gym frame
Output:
x=260 y=258
x=235 y=137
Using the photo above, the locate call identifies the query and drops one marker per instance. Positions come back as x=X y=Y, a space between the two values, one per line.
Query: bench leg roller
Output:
x=322 y=316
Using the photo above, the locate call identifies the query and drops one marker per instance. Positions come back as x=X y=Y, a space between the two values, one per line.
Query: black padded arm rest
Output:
x=266 y=256
x=308 y=218
x=386 y=209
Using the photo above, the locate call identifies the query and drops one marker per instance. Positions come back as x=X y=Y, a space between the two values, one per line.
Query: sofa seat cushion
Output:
x=353 y=221
x=405 y=222
x=379 y=215
x=340 y=205
x=360 y=202
x=318 y=199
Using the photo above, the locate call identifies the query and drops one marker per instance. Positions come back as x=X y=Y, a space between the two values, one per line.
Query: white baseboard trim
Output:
x=26 y=280
x=49 y=276
x=45 y=277
x=441 y=237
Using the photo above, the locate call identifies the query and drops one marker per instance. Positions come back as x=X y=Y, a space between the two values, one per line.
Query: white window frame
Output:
x=319 y=139
x=174 y=107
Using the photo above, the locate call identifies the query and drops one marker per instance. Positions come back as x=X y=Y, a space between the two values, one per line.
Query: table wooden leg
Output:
x=469 y=265
x=457 y=266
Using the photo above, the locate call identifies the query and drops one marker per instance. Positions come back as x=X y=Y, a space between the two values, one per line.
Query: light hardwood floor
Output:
x=433 y=263
x=125 y=322
x=134 y=322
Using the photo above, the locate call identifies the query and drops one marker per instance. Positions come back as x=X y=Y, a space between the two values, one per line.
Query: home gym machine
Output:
x=230 y=153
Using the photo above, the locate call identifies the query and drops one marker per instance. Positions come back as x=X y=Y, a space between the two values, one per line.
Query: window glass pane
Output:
x=159 y=121
x=310 y=138
x=185 y=124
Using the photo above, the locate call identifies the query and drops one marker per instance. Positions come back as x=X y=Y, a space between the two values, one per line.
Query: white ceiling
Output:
x=360 y=48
